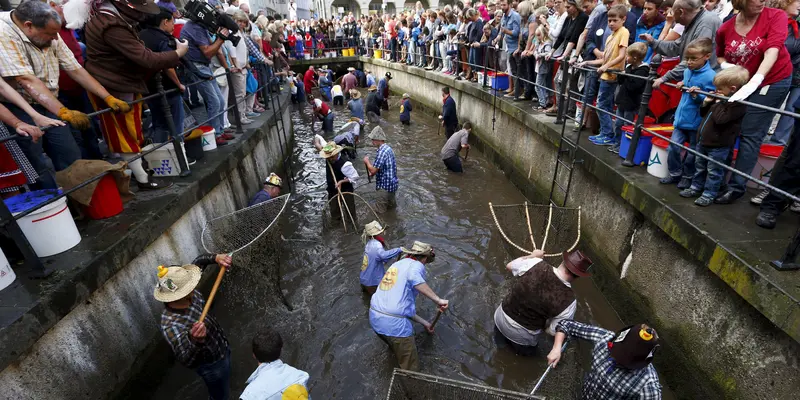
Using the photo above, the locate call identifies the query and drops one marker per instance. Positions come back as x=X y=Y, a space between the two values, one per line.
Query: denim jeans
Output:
x=591 y=86
x=217 y=377
x=544 y=80
x=708 y=176
x=215 y=103
x=57 y=142
x=628 y=115
x=786 y=123
x=521 y=73
x=473 y=57
x=605 y=101
x=87 y=140
x=754 y=127
x=677 y=166
x=327 y=123
x=161 y=130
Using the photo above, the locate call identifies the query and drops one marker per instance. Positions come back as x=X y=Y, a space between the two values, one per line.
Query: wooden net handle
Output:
x=212 y=294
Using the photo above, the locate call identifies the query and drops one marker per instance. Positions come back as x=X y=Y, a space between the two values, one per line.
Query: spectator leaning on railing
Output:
x=786 y=123
x=31 y=55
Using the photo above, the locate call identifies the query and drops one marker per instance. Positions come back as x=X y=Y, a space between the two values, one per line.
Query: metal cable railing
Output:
x=569 y=72
x=9 y=221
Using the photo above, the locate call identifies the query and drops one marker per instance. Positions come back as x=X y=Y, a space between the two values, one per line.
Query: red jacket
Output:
x=308 y=79
x=65 y=83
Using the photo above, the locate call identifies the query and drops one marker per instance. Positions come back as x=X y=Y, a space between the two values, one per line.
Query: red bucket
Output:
x=105 y=200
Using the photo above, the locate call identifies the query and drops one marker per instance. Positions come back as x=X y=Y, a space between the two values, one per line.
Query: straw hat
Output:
x=418 y=248
x=273 y=179
x=331 y=149
x=373 y=88
x=373 y=228
x=355 y=94
x=406 y=96
x=175 y=283
x=377 y=134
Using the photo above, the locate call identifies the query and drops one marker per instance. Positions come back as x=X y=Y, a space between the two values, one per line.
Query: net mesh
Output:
x=361 y=205
x=527 y=227
x=235 y=231
x=408 y=385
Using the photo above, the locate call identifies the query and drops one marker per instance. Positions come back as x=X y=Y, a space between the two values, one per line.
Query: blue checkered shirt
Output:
x=386 y=178
x=605 y=380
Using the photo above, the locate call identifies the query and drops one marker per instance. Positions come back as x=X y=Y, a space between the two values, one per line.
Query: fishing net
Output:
x=408 y=385
x=547 y=227
x=351 y=211
x=235 y=231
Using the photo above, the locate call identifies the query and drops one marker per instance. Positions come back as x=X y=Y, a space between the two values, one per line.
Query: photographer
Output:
x=201 y=50
x=120 y=62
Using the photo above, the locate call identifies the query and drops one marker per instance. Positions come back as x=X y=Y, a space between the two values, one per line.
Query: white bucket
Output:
x=657 y=164
x=209 y=140
x=50 y=229
x=767 y=157
x=307 y=56
x=7 y=275
x=164 y=161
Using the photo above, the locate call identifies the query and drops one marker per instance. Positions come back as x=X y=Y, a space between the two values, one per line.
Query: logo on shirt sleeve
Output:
x=364 y=263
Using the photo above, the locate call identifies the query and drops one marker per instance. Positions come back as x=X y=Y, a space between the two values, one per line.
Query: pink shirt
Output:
x=769 y=31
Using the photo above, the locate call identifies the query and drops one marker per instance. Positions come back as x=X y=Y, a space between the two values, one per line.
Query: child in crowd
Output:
x=405 y=110
x=292 y=40
x=717 y=134
x=308 y=43
x=452 y=52
x=629 y=94
x=543 y=67
x=700 y=75
x=401 y=40
x=613 y=58
x=414 y=44
x=422 y=45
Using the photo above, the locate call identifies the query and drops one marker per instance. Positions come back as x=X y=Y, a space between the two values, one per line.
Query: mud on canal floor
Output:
x=325 y=327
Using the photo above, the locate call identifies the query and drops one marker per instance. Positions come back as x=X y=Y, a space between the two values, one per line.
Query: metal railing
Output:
x=566 y=96
x=9 y=221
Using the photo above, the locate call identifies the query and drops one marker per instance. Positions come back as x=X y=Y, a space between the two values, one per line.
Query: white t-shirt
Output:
x=240 y=52
x=337 y=91
x=518 y=333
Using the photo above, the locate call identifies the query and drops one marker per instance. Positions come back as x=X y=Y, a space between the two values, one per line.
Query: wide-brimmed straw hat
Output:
x=355 y=94
x=377 y=134
x=176 y=282
x=330 y=149
x=373 y=228
x=634 y=346
x=372 y=88
x=419 y=249
x=577 y=263
x=273 y=179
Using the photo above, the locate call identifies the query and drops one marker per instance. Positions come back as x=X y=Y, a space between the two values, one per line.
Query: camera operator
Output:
x=121 y=63
x=201 y=50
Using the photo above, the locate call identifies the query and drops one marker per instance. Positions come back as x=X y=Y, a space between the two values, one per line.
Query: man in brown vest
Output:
x=539 y=299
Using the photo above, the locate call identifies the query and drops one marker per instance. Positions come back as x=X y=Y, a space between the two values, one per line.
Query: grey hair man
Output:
x=698 y=23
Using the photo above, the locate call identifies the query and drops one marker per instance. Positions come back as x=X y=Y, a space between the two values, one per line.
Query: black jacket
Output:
x=204 y=260
x=449 y=114
x=629 y=94
x=475 y=31
x=722 y=122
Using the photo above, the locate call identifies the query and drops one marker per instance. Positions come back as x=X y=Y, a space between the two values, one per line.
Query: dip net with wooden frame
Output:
x=527 y=227
x=409 y=385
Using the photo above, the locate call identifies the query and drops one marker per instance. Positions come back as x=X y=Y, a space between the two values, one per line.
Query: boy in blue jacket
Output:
x=698 y=76
x=405 y=110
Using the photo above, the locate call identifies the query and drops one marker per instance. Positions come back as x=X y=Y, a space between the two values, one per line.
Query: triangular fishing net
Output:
x=408 y=385
x=230 y=233
x=527 y=227
x=357 y=210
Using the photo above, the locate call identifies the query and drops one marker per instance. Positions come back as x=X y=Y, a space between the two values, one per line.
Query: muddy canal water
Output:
x=326 y=330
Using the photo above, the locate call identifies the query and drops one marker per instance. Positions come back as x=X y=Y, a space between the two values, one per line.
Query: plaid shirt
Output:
x=606 y=381
x=253 y=51
x=175 y=326
x=19 y=56
x=386 y=178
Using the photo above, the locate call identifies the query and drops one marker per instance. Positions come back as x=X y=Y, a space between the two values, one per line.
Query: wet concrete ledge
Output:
x=684 y=259
x=31 y=310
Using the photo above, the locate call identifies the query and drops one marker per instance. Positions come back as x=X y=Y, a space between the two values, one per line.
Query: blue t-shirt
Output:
x=395 y=300
x=405 y=110
x=401 y=35
x=260 y=197
x=356 y=108
x=197 y=36
x=375 y=258
x=415 y=34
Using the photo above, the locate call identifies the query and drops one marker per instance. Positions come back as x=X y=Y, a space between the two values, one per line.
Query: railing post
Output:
x=788 y=261
x=177 y=137
x=485 y=53
x=32 y=261
x=565 y=78
x=237 y=118
x=655 y=62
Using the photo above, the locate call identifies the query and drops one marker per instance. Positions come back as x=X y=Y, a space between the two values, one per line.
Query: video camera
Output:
x=206 y=15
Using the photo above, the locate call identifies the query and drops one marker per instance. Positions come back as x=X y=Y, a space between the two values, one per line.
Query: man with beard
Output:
x=31 y=55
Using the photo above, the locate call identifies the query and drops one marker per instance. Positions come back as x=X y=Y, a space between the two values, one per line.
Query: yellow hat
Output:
x=273 y=180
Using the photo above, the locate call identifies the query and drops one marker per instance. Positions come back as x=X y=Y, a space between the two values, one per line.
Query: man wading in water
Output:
x=449 y=115
x=539 y=299
x=452 y=148
x=376 y=255
x=621 y=366
x=201 y=346
x=384 y=169
x=393 y=306
x=339 y=175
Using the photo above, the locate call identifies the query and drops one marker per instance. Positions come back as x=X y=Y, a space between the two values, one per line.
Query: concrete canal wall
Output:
x=88 y=346
x=728 y=331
